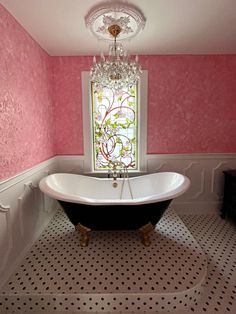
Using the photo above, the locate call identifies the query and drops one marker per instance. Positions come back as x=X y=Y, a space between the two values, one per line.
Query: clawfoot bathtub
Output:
x=97 y=204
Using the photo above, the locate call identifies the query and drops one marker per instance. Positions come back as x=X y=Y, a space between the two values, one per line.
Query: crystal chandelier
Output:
x=119 y=22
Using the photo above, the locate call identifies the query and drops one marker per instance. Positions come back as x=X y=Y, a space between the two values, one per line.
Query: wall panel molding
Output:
x=206 y=174
x=204 y=170
x=216 y=184
x=25 y=215
x=71 y=164
x=6 y=241
x=25 y=211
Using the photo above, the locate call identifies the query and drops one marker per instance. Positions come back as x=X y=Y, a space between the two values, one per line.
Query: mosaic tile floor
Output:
x=48 y=279
x=114 y=273
x=217 y=238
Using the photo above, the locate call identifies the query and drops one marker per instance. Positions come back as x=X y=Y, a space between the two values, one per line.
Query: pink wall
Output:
x=26 y=111
x=68 y=103
x=191 y=105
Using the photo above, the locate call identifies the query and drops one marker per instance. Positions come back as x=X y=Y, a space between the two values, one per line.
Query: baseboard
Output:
x=197 y=208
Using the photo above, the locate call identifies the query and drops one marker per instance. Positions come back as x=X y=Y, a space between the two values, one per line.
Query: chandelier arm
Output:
x=117 y=71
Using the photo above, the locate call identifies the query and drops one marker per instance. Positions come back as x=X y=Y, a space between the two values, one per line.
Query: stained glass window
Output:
x=115 y=127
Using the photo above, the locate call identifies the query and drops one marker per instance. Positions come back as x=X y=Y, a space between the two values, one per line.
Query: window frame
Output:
x=87 y=123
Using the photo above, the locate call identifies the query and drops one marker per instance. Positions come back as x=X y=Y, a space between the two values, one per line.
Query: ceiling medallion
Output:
x=128 y=17
x=115 y=21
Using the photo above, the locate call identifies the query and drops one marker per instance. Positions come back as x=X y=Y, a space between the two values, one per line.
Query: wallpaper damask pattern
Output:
x=26 y=109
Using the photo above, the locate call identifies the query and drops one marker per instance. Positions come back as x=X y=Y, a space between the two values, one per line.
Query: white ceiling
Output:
x=172 y=27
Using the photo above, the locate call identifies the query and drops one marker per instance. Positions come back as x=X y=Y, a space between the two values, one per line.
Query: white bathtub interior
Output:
x=140 y=189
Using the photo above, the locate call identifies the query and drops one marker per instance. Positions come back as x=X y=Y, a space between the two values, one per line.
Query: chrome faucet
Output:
x=113 y=171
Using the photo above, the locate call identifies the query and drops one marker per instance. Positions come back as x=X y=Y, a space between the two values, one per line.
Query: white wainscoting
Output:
x=24 y=213
x=207 y=180
x=204 y=170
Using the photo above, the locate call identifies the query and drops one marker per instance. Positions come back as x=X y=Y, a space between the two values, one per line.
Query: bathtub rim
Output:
x=176 y=192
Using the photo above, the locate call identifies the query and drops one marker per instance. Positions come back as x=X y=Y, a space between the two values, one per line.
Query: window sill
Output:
x=104 y=174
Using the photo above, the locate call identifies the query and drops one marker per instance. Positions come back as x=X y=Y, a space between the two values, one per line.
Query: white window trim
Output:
x=87 y=123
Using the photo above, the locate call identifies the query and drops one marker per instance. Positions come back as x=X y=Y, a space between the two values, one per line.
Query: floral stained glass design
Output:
x=115 y=129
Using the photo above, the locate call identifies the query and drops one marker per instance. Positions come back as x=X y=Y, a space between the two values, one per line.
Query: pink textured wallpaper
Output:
x=26 y=111
x=68 y=103
x=191 y=103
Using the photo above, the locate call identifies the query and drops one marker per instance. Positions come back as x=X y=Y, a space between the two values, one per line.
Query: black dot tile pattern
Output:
x=217 y=238
x=115 y=273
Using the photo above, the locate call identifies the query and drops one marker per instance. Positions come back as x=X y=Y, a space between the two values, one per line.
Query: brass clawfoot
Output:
x=144 y=232
x=84 y=234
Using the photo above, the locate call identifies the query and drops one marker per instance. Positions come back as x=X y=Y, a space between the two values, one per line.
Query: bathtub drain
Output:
x=114 y=184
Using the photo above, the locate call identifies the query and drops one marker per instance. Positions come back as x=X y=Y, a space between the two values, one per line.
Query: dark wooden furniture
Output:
x=229 y=200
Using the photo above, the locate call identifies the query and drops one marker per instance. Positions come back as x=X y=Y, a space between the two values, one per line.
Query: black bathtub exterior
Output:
x=114 y=217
